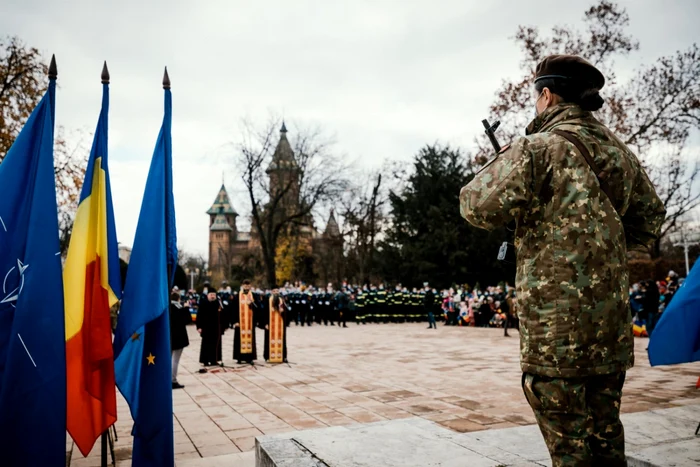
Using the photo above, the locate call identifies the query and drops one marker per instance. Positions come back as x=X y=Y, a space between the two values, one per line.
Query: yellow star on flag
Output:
x=151 y=359
x=136 y=336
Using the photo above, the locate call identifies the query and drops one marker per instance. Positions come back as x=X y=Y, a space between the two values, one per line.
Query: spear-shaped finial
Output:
x=53 y=70
x=105 y=74
x=166 y=79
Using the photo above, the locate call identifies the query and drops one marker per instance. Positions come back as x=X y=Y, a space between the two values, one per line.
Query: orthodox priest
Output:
x=211 y=326
x=244 y=350
x=275 y=330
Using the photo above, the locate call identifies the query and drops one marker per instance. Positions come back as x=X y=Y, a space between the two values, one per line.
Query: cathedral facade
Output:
x=229 y=246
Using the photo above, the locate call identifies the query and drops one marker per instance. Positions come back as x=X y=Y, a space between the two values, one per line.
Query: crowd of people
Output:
x=216 y=310
x=330 y=306
x=649 y=299
x=494 y=306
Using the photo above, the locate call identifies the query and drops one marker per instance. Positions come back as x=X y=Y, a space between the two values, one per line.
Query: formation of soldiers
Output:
x=367 y=304
x=330 y=306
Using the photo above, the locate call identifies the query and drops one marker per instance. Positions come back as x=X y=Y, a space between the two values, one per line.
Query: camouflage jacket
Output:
x=571 y=240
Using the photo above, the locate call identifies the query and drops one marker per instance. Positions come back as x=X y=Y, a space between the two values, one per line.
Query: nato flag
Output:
x=676 y=337
x=32 y=335
x=142 y=338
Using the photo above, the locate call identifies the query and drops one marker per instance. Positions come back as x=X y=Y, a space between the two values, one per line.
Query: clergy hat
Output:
x=570 y=67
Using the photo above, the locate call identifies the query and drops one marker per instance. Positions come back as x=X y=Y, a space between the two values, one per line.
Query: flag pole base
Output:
x=108 y=441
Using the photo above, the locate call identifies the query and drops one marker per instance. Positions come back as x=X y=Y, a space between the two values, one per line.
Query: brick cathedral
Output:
x=229 y=246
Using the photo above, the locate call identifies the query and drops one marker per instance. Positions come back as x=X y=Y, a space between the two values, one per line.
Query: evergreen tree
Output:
x=427 y=239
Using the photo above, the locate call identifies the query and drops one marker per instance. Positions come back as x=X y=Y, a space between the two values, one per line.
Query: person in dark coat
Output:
x=211 y=326
x=179 y=319
x=342 y=303
x=650 y=305
x=428 y=302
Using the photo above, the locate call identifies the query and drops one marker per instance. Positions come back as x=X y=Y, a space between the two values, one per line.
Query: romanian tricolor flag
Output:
x=92 y=286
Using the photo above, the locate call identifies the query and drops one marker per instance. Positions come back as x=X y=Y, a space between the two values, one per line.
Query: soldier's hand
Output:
x=199 y=330
x=235 y=325
x=267 y=327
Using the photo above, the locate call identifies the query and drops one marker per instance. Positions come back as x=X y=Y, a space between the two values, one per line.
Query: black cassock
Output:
x=265 y=321
x=211 y=321
x=236 y=319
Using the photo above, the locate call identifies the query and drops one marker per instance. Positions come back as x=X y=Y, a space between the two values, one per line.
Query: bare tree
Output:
x=70 y=163
x=286 y=180
x=195 y=264
x=364 y=215
x=658 y=108
x=674 y=178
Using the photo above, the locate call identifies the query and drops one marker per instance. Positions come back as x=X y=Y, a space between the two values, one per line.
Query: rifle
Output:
x=491 y=133
x=490 y=130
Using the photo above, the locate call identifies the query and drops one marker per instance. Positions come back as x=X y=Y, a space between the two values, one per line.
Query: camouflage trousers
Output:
x=579 y=418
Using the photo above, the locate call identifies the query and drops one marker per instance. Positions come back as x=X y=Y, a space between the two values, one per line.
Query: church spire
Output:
x=332 y=228
x=222 y=204
x=283 y=157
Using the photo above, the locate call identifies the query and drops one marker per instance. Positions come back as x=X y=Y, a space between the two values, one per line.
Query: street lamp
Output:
x=686 y=240
x=192 y=273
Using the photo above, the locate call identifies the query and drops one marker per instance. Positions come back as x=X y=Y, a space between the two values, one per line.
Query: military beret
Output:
x=570 y=67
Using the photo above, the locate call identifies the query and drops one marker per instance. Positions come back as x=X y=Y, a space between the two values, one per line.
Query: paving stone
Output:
x=243 y=433
x=219 y=449
x=245 y=444
x=373 y=377
x=462 y=425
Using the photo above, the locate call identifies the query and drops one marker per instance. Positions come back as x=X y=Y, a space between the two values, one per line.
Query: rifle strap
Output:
x=583 y=150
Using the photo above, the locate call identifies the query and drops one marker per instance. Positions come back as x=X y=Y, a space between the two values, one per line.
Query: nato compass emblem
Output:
x=13 y=281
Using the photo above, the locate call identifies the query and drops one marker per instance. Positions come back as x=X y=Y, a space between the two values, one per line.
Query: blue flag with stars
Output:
x=142 y=339
x=32 y=335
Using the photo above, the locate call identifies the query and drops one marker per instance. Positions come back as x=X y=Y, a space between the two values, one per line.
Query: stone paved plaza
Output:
x=465 y=379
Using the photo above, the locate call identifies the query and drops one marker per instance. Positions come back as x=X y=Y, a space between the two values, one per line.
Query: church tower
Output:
x=329 y=253
x=284 y=173
x=222 y=236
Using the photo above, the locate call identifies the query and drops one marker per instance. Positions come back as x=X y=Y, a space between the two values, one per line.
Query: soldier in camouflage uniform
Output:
x=573 y=229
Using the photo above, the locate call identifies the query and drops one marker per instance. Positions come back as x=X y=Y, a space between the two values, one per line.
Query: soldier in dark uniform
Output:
x=371 y=304
x=306 y=299
x=405 y=305
x=293 y=301
x=360 y=305
x=327 y=306
x=341 y=301
x=421 y=312
x=317 y=306
x=382 y=312
x=579 y=199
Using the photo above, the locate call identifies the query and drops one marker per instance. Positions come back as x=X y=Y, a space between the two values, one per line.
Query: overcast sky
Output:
x=382 y=77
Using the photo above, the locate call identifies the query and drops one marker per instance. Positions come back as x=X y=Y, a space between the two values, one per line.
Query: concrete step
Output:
x=656 y=438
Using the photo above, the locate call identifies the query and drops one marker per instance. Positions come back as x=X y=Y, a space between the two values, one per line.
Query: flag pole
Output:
x=104 y=449
x=104 y=77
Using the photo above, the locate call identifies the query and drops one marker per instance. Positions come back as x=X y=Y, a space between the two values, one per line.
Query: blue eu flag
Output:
x=676 y=337
x=142 y=338
x=32 y=335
